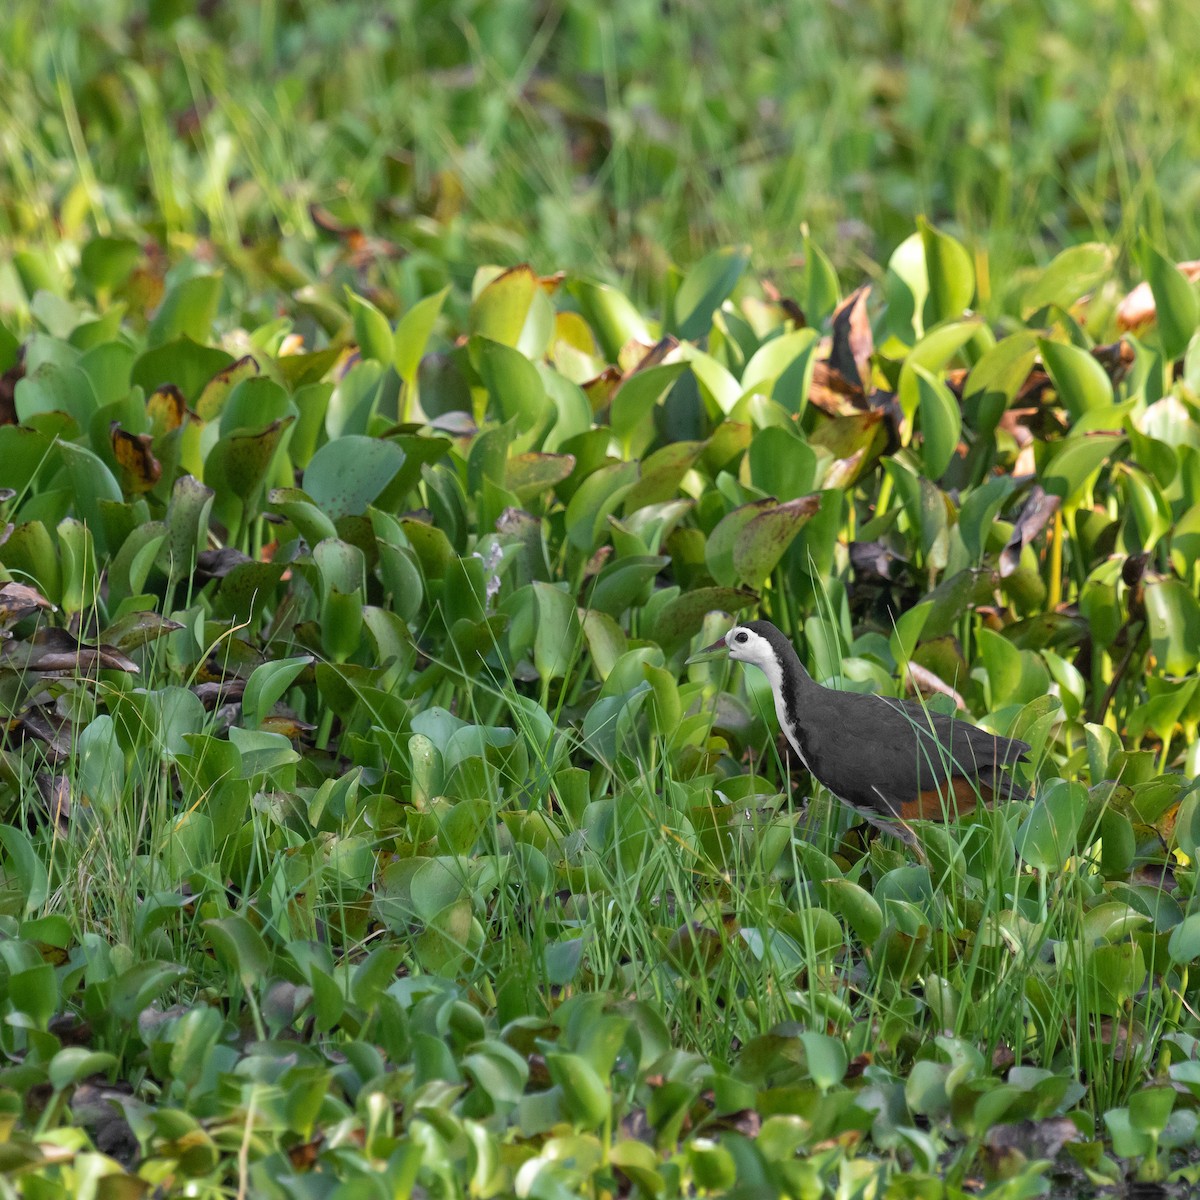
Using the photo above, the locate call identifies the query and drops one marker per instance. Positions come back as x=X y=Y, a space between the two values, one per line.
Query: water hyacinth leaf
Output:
x=950 y=274
x=821 y=292
x=559 y=635
x=498 y=313
x=513 y=383
x=722 y=541
x=107 y=261
x=625 y=582
x=774 y=357
x=1080 y=381
x=638 y=394
x=241 y=946
x=705 y=288
x=413 y=332
x=530 y=475
x=51 y=388
x=238 y=464
x=585 y=1094
x=187 y=310
x=25 y=867
x=1176 y=306
x=267 y=685
x=941 y=421
x=252 y=403
x=764 y=540
x=1046 y=838
x=1071 y=274
x=348 y=474
x=826 y=1059
x=596 y=498
x=221 y=385
x=1174 y=618
x=92 y=483
x=682 y=616
x=613 y=318
x=183 y=362
x=1076 y=462
x=371 y=329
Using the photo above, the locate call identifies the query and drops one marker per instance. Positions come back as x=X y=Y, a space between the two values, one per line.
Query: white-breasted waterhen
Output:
x=893 y=758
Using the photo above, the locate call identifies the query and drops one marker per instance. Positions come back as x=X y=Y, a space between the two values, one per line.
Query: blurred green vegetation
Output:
x=617 y=137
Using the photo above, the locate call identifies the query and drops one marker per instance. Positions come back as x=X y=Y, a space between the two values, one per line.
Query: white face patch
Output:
x=757 y=651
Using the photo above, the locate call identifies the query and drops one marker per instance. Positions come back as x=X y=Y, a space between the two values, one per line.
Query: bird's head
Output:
x=748 y=643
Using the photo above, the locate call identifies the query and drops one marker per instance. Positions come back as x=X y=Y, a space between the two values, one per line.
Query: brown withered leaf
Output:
x=291 y=727
x=832 y=394
x=44 y=725
x=55 y=793
x=8 y=391
x=166 y=408
x=55 y=650
x=218 y=692
x=602 y=388
x=135 y=629
x=135 y=456
x=17 y=601
x=1036 y=511
x=853 y=342
x=1137 y=307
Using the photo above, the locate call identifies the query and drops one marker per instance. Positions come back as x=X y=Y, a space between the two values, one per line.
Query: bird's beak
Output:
x=716 y=650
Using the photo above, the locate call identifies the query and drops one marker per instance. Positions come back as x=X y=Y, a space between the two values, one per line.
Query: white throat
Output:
x=774 y=673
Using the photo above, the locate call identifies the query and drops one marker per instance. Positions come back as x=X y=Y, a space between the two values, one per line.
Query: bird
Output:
x=883 y=757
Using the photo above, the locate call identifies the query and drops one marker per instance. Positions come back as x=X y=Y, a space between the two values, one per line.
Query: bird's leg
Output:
x=898 y=827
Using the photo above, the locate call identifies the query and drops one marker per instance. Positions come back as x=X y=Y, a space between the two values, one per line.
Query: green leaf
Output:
x=413 y=332
x=613 y=319
x=75 y=1064
x=950 y=272
x=1072 y=273
x=820 y=291
x=23 y=864
x=941 y=421
x=558 y=636
x=499 y=311
x=762 y=542
x=705 y=288
x=1184 y=943
x=1046 y=838
x=107 y=261
x=349 y=473
x=371 y=329
x=1079 y=380
x=585 y=1093
x=242 y=947
x=1174 y=618
x=187 y=310
x=1177 y=309
x=267 y=684
x=513 y=383
x=1076 y=461
x=826 y=1058
x=638 y=394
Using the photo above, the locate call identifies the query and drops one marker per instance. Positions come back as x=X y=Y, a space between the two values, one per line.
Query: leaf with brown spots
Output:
x=166 y=409
x=135 y=457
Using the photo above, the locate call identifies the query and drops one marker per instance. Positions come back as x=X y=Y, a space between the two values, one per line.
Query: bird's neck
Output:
x=793 y=689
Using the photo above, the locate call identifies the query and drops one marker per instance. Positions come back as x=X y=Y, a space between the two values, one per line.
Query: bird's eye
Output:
x=741 y=639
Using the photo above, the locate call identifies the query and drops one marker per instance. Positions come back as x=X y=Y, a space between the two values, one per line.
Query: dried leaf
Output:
x=135 y=456
x=853 y=342
x=1037 y=510
x=18 y=602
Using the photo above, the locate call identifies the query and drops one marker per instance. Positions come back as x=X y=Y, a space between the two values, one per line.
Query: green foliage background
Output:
x=363 y=830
